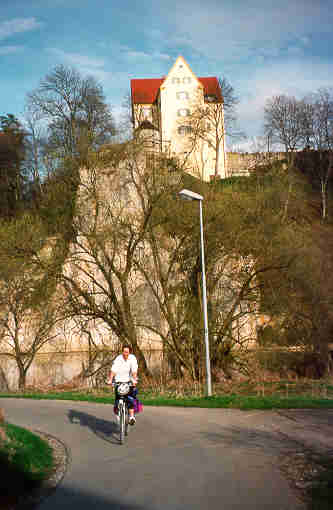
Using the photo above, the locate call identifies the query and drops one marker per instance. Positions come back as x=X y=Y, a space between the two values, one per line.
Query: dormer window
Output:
x=183 y=112
x=187 y=79
x=176 y=81
x=182 y=95
x=211 y=98
x=184 y=130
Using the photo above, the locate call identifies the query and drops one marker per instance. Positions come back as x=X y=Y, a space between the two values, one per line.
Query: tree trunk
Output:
x=22 y=378
x=217 y=159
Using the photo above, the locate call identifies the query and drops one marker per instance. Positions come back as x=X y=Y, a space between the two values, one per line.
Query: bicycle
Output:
x=123 y=389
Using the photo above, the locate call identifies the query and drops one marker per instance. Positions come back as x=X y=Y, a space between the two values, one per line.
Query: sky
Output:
x=262 y=47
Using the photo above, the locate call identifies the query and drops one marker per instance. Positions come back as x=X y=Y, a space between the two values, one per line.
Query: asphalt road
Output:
x=174 y=458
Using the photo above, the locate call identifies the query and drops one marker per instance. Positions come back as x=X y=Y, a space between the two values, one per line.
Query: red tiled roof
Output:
x=144 y=91
x=212 y=87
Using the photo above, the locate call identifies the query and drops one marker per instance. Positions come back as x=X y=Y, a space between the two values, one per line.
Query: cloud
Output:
x=9 y=50
x=292 y=76
x=155 y=55
x=18 y=25
x=236 y=30
x=89 y=66
x=76 y=59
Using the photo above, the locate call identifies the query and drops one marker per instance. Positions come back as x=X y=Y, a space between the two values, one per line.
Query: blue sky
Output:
x=262 y=47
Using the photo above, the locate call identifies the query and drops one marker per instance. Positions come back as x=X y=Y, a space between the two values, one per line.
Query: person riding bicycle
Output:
x=125 y=368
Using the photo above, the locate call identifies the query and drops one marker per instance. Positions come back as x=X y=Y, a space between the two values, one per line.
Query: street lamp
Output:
x=190 y=195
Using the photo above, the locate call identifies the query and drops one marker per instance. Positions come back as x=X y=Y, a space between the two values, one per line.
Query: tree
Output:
x=75 y=109
x=35 y=144
x=284 y=121
x=207 y=125
x=28 y=315
x=11 y=172
x=318 y=136
x=99 y=276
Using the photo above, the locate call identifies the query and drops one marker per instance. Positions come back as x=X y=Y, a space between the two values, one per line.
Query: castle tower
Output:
x=183 y=114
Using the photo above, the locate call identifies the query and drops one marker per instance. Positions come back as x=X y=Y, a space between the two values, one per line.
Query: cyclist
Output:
x=125 y=368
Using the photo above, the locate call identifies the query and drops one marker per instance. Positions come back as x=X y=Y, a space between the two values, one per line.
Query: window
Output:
x=182 y=95
x=146 y=113
x=187 y=79
x=211 y=98
x=175 y=80
x=184 y=130
x=183 y=112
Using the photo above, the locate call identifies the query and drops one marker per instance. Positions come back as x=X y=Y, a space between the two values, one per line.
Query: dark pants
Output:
x=129 y=398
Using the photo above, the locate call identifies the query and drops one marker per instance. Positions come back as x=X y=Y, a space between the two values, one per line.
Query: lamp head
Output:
x=186 y=194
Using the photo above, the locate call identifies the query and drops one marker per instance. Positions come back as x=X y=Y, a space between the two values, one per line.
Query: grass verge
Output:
x=320 y=493
x=25 y=460
x=235 y=401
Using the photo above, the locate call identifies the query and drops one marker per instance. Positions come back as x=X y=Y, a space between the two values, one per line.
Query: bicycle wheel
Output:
x=122 y=420
x=126 y=419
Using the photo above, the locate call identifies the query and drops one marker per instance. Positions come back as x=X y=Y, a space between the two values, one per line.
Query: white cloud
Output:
x=155 y=55
x=137 y=54
x=9 y=50
x=18 y=25
x=237 y=30
x=293 y=76
x=76 y=59
x=89 y=66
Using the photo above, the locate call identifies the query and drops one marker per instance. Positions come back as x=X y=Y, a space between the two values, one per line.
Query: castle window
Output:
x=176 y=80
x=146 y=113
x=184 y=130
x=187 y=79
x=211 y=98
x=182 y=95
x=183 y=112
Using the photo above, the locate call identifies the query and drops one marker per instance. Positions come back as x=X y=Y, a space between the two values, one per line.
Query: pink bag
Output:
x=138 y=406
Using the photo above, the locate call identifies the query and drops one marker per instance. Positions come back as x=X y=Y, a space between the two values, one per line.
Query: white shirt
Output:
x=124 y=368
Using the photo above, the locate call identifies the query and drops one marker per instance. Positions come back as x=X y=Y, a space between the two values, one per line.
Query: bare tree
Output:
x=211 y=118
x=284 y=121
x=318 y=135
x=25 y=329
x=35 y=143
x=75 y=109
x=99 y=277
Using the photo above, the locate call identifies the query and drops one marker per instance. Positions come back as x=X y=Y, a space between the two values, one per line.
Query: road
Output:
x=174 y=458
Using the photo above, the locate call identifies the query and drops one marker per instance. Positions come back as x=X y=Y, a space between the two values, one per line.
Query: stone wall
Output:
x=56 y=369
x=239 y=163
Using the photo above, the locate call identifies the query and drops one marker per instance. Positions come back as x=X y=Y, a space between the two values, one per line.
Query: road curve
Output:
x=174 y=458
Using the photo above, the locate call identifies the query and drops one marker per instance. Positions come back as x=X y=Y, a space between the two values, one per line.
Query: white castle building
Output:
x=183 y=115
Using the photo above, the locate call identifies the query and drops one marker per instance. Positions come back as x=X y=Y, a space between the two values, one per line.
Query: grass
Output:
x=25 y=460
x=242 y=395
x=321 y=491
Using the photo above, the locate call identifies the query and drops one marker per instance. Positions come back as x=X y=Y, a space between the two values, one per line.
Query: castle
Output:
x=183 y=115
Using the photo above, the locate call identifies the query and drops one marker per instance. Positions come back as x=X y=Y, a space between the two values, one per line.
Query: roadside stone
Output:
x=62 y=459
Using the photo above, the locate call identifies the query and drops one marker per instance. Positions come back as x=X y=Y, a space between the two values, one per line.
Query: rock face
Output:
x=111 y=213
x=3 y=381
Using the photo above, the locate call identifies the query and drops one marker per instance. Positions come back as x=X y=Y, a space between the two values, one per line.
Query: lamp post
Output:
x=190 y=195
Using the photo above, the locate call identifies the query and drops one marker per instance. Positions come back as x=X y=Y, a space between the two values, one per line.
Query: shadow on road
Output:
x=107 y=430
x=66 y=497
x=252 y=438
